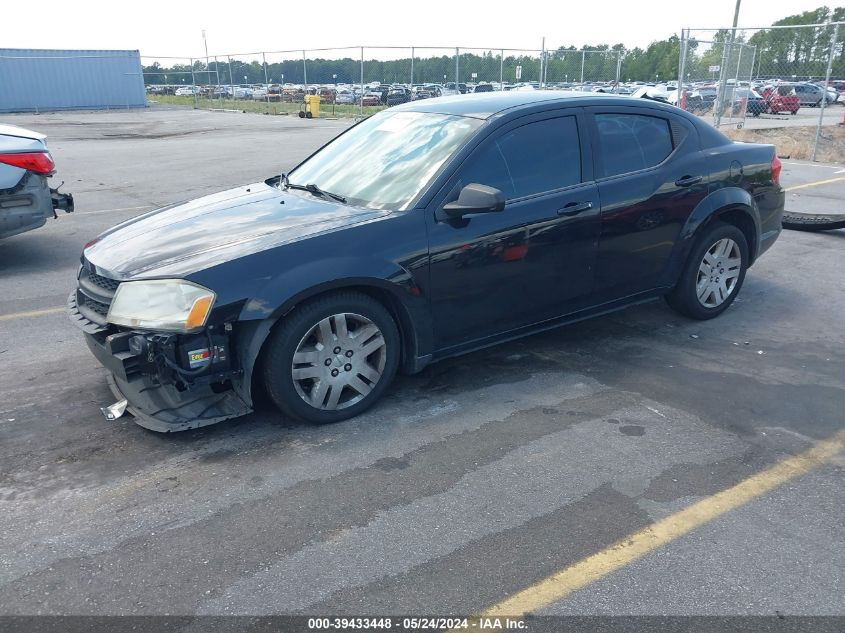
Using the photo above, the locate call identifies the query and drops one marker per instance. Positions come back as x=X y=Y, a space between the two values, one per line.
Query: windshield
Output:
x=385 y=161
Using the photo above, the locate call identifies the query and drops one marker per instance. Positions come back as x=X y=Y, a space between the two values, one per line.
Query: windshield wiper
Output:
x=313 y=189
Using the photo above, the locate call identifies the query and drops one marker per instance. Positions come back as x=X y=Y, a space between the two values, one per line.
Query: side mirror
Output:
x=475 y=198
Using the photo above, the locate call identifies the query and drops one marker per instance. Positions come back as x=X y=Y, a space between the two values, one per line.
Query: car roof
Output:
x=485 y=105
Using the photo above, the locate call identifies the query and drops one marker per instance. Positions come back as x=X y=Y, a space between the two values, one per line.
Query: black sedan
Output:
x=753 y=103
x=473 y=220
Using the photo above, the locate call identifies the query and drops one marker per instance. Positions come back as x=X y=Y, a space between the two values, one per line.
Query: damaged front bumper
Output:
x=164 y=409
x=165 y=389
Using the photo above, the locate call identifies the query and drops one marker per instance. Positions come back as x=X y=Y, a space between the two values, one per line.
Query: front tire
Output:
x=713 y=273
x=332 y=358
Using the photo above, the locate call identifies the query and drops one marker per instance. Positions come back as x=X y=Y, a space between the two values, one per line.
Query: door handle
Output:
x=574 y=208
x=688 y=181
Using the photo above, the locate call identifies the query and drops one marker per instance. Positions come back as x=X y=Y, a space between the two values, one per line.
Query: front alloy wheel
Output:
x=332 y=357
x=339 y=361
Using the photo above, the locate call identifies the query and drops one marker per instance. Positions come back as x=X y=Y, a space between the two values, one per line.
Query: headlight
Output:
x=172 y=305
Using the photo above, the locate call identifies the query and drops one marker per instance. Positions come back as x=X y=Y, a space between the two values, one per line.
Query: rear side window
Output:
x=631 y=142
x=530 y=159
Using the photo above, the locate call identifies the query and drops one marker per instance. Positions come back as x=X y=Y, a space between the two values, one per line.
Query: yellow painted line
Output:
x=633 y=547
x=30 y=313
x=815 y=184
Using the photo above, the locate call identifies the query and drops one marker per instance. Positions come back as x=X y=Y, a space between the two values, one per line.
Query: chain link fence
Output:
x=357 y=81
x=793 y=72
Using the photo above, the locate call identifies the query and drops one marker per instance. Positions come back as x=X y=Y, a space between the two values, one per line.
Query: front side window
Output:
x=531 y=159
x=386 y=161
x=632 y=142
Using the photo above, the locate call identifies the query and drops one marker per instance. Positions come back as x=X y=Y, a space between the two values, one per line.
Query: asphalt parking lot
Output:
x=804 y=117
x=468 y=483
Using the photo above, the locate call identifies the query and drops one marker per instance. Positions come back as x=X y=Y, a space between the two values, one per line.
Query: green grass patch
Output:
x=263 y=107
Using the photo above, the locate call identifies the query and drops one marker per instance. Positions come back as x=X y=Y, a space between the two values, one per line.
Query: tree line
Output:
x=778 y=52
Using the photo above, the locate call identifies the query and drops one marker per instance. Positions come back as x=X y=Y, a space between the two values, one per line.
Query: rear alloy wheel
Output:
x=718 y=273
x=332 y=358
x=713 y=274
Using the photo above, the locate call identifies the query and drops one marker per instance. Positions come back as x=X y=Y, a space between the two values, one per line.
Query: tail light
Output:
x=776 y=167
x=39 y=162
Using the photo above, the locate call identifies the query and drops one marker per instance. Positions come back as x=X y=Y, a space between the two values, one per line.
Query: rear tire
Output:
x=713 y=274
x=332 y=357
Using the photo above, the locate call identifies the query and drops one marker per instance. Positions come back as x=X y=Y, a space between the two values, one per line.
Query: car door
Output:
x=650 y=177
x=494 y=272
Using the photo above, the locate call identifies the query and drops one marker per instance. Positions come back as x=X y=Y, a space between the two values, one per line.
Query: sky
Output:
x=174 y=28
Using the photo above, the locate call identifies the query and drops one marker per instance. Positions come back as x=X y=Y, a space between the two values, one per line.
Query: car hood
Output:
x=188 y=237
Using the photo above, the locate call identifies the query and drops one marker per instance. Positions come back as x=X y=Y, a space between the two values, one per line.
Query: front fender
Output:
x=733 y=198
x=282 y=294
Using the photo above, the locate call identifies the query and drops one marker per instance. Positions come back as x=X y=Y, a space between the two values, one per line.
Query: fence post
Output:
x=723 y=83
x=362 y=81
x=304 y=73
x=502 y=71
x=193 y=84
x=266 y=82
x=232 y=83
x=411 y=86
x=682 y=65
x=542 y=60
x=217 y=73
x=826 y=84
x=457 y=75
x=583 y=59
x=618 y=71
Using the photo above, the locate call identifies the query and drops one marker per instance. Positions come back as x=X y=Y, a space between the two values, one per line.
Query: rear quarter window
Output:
x=632 y=142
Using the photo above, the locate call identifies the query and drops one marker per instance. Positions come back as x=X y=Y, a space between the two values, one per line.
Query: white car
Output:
x=242 y=92
x=187 y=91
x=26 y=199
x=259 y=94
x=345 y=97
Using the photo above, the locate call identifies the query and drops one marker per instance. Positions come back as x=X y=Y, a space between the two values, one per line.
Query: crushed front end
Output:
x=172 y=381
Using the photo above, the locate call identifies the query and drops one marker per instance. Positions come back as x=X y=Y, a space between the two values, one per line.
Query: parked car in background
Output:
x=345 y=96
x=398 y=95
x=749 y=99
x=832 y=94
x=187 y=91
x=420 y=92
x=242 y=92
x=808 y=94
x=26 y=199
x=371 y=99
x=781 y=98
x=468 y=221
x=483 y=87
x=450 y=89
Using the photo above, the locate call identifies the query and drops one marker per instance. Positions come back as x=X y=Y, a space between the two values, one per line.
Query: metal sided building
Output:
x=45 y=80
